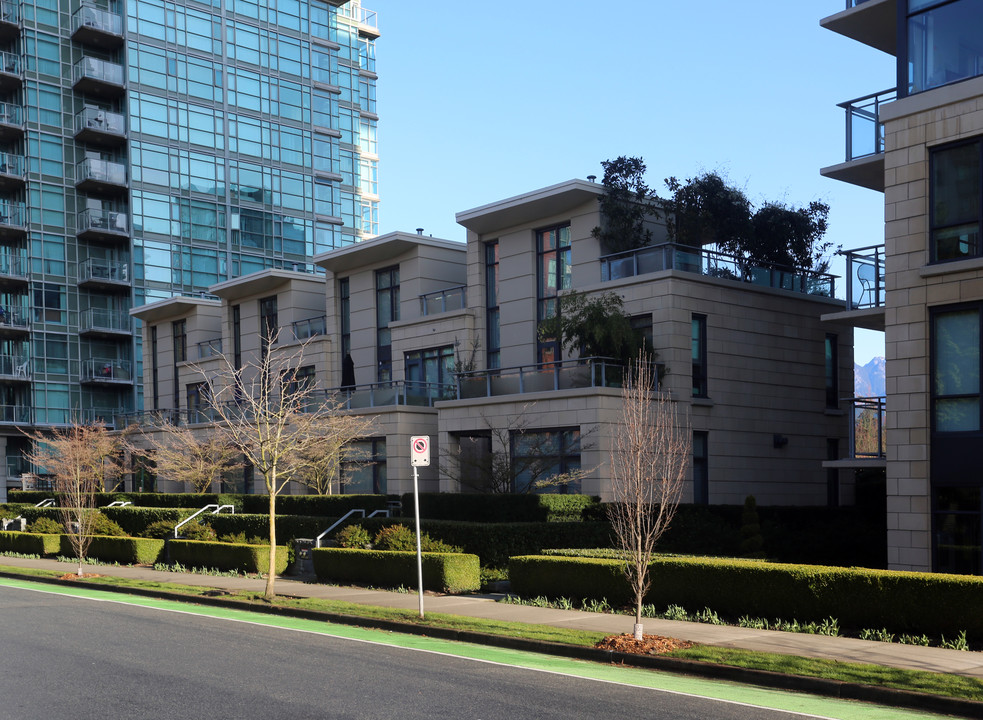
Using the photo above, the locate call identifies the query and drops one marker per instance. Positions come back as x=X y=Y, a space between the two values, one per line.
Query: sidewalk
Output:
x=909 y=657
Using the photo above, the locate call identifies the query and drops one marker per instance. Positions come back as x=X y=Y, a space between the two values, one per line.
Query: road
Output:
x=99 y=656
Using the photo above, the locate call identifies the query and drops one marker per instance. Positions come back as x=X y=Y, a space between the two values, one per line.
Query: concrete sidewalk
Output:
x=909 y=657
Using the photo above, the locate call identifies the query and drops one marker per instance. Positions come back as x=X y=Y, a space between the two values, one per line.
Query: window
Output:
x=304 y=381
x=493 y=338
x=956 y=371
x=832 y=372
x=955 y=197
x=49 y=304
x=944 y=44
x=956 y=530
x=363 y=470
x=699 y=355
x=553 y=276
x=154 y=379
x=386 y=311
x=199 y=396
x=429 y=373
x=179 y=329
x=701 y=468
x=269 y=324
x=541 y=459
x=345 y=311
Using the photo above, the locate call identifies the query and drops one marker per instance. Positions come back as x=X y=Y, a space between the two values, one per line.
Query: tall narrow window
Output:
x=955 y=192
x=363 y=471
x=701 y=468
x=541 y=460
x=199 y=396
x=236 y=336
x=429 y=373
x=956 y=371
x=154 y=368
x=832 y=372
x=553 y=276
x=269 y=323
x=179 y=334
x=493 y=340
x=386 y=311
x=699 y=354
x=345 y=318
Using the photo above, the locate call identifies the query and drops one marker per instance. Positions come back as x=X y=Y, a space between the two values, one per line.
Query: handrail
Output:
x=119 y=503
x=47 y=502
x=214 y=507
x=359 y=511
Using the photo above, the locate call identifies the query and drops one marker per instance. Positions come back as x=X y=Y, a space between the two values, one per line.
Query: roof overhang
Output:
x=263 y=281
x=384 y=248
x=172 y=308
x=529 y=207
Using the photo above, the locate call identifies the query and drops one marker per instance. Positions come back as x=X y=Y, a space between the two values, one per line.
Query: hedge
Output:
x=123 y=550
x=500 y=508
x=288 y=527
x=902 y=602
x=226 y=556
x=29 y=543
x=442 y=572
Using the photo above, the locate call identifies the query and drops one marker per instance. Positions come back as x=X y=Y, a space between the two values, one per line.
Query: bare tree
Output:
x=197 y=457
x=274 y=417
x=80 y=458
x=649 y=463
x=318 y=463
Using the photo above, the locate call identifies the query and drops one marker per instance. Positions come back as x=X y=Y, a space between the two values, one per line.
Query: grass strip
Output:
x=940 y=684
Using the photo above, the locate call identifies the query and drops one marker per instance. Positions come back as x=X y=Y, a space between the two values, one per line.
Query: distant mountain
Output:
x=868 y=380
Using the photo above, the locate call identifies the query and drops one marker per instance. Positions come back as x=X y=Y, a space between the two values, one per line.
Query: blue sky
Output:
x=479 y=102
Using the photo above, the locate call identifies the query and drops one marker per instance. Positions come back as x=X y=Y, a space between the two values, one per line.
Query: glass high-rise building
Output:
x=156 y=148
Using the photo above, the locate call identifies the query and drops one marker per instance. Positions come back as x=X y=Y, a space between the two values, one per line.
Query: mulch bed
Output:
x=648 y=645
x=76 y=576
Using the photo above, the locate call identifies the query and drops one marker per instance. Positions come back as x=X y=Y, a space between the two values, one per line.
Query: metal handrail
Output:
x=214 y=507
x=359 y=511
x=47 y=502
x=119 y=503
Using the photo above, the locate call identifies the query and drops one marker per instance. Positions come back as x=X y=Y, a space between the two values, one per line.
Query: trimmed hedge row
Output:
x=288 y=527
x=442 y=572
x=29 y=543
x=902 y=602
x=499 y=508
x=226 y=556
x=123 y=550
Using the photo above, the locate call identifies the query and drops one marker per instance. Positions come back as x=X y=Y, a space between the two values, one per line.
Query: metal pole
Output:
x=419 y=551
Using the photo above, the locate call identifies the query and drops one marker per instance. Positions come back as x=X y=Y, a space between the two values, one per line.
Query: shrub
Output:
x=102 y=525
x=46 y=525
x=494 y=508
x=353 y=536
x=452 y=573
x=195 y=530
x=241 y=539
x=129 y=551
x=226 y=556
x=30 y=543
x=395 y=537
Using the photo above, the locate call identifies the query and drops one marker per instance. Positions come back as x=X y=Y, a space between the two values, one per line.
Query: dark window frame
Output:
x=548 y=351
x=493 y=338
x=933 y=228
x=701 y=467
x=831 y=370
x=698 y=327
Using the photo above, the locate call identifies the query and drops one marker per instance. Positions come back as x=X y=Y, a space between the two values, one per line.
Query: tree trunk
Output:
x=271 y=571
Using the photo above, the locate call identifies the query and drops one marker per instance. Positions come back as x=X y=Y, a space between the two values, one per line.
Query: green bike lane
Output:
x=724 y=691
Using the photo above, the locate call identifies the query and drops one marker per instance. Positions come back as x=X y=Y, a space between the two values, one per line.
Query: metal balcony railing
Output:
x=93 y=269
x=11 y=114
x=13 y=214
x=711 y=263
x=11 y=164
x=304 y=329
x=107 y=369
x=591 y=372
x=14 y=317
x=15 y=266
x=10 y=12
x=10 y=63
x=865 y=277
x=102 y=171
x=103 y=121
x=864 y=132
x=867 y=437
x=396 y=392
x=103 y=220
x=103 y=71
x=15 y=414
x=15 y=366
x=209 y=348
x=454 y=298
x=102 y=319
x=95 y=18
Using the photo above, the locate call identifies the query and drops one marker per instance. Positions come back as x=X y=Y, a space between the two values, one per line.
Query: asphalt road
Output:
x=68 y=657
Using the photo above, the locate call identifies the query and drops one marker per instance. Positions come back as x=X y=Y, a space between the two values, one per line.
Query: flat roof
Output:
x=529 y=207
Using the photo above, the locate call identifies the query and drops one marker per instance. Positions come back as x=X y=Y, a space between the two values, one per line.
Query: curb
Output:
x=764 y=678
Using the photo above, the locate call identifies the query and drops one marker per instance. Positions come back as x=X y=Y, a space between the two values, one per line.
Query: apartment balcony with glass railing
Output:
x=209 y=349
x=864 y=157
x=104 y=274
x=13 y=172
x=11 y=72
x=865 y=277
x=99 y=77
x=15 y=415
x=710 y=263
x=578 y=374
x=103 y=226
x=14 y=321
x=100 y=176
x=15 y=368
x=306 y=329
x=106 y=371
x=98 y=27
x=868 y=441
x=396 y=392
x=99 y=321
x=15 y=271
x=94 y=125
x=10 y=21
x=454 y=298
x=11 y=122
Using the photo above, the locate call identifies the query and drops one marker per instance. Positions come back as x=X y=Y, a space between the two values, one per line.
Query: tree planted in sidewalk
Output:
x=80 y=458
x=649 y=463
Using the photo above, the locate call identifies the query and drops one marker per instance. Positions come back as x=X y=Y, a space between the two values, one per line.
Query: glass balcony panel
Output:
x=102 y=121
x=98 y=19
x=103 y=171
x=105 y=220
x=89 y=68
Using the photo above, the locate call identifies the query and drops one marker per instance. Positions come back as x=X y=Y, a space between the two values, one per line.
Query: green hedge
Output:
x=288 y=527
x=902 y=602
x=123 y=550
x=30 y=543
x=442 y=572
x=499 y=508
x=226 y=556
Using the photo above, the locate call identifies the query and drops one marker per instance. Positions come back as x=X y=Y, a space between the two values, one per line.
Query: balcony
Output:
x=864 y=164
x=106 y=371
x=104 y=275
x=306 y=329
x=14 y=322
x=710 y=263
x=15 y=368
x=98 y=77
x=100 y=176
x=543 y=377
x=867 y=436
x=13 y=172
x=13 y=222
x=97 y=27
x=11 y=72
x=871 y=22
x=100 y=322
x=209 y=349
x=396 y=392
x=100 y=127
x=15 y=415
x=454 y=298
x=14 y=271
x=11 y=123
x=103 y=226
x=10 y=24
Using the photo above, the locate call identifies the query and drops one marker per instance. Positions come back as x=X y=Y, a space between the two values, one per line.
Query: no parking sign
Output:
x=420 y=451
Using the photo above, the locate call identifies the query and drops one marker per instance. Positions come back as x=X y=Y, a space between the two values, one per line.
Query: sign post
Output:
x=419 y=457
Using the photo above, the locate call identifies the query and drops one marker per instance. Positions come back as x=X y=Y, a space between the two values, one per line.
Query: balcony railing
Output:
x=711 y=263
x=10 y=11
x=100 y=71
x=101 y=270
x=10 y=63
x=209 y=348
x=106 y=369
x=13 y=214
x=102 y=319
x=864 y=132
x=97 y=19
x=16 y=318
x=100 y=121
x=361 y=15
x=107 y=221
x=867 y=437
x=100 y=171
x=14 y=414
x=11 y=114
x=566 y=375
x=14 y=266
x=15 y=366
x=305 y=329
x=454 y=298
x=396 y=392
x=11 y=164
x=865 y=277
